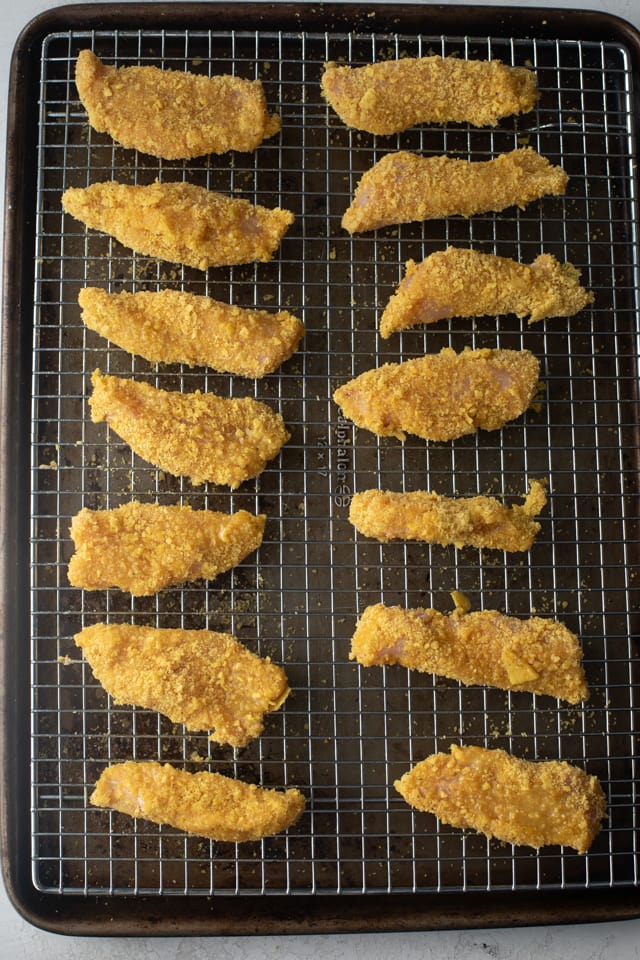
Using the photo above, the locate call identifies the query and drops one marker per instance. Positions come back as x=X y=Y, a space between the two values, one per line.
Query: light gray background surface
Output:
x=18 y=939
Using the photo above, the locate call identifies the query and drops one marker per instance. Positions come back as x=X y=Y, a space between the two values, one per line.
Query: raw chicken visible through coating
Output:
x=403 y=187
x=172 y=114
x=388 y=97
x=175 y=327
x=197 y=435
x=465 y=283
x=444 y=395
x=486 y=647
x=144 y=547
x=462 y=521
x=204 y=804
x=205 y=680
x=180 y=222
x=520 y=802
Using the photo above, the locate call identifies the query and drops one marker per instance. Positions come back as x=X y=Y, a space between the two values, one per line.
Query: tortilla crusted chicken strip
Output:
x=197 y=435
x=536 y=655
x=461 y=521
x=519 y=801
x=465 y=283
x=175 y=327
x=389 y=97
x=202 y=679
x=403 y=187
x=444 y=395
x=203 y=804
x=171 y=114
x=180 y=222
x=144 y=547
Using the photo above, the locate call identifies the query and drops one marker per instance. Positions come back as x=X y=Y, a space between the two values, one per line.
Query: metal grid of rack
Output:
x=346 y=733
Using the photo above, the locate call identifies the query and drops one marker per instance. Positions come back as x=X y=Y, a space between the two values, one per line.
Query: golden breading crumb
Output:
x=204 y=804
x=145 y=547
x=205 y=680
x=197 y=435
x=403 y=187
x=388 y=97
x=171 y=114
x=465 y=283
x=444 y=395
x=180 y=222
x=518 y=801
x=175 y=327
x=462 y=521
x=487 y=647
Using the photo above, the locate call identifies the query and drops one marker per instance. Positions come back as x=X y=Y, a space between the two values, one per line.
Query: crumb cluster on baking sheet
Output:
x=346 y=733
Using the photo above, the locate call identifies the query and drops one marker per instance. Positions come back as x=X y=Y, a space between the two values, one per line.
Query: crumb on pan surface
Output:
x=403 y=187
x=144 y=547
x=442 y=396
x=180 y=222
x=200 y=678
x=535 y=655
x=172 y=326
x=462 y=521
x=390 y=96
x=173 y=114
x=204 y=804
x=519 y=801
x=198 y=435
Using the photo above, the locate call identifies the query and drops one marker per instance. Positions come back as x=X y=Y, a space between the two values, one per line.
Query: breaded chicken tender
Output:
x=175 y=327
x=180 y=222
x=171 y=114
x=444 y=395
x=465 y=283
x=388 y=97
x=461 y=521
x=145 y=547
x=536 y=655
x=197 y=435
x=204 y=804
x=202 y=679
x=518 y=801
x=403 y=187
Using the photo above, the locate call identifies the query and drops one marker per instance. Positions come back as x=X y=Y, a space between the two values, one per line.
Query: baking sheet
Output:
x=347 y=732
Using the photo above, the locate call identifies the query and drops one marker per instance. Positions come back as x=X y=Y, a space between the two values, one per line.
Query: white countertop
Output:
x=19 y=939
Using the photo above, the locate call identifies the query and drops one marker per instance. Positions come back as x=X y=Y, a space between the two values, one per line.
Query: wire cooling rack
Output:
x=346 y=733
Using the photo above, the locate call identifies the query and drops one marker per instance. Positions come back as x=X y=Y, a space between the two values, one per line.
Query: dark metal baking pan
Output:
x=359 y=859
